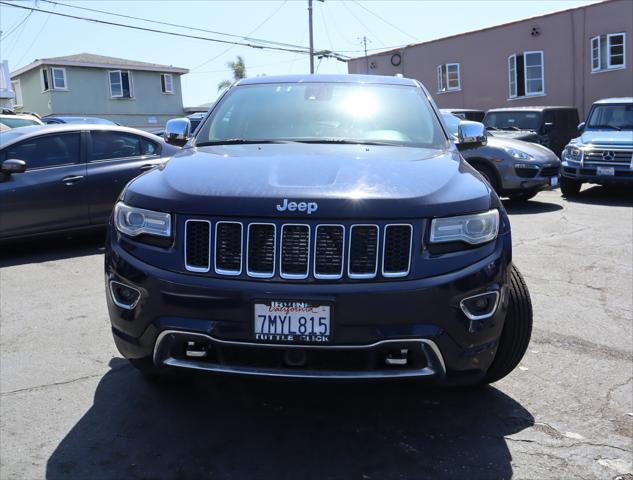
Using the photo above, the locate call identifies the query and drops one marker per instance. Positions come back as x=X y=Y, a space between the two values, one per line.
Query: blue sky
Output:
x=338 y=24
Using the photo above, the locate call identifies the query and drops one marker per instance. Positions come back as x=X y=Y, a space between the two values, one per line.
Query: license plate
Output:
x=553 y=182
x=607 y=171
x=305 y=322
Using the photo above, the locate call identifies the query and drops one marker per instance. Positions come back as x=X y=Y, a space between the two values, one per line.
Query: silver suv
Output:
x=603 y=153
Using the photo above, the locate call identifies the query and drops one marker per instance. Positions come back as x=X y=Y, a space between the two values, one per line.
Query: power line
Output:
x=153 y=30
x=250 y=33
x=361 y=22
x=28 y=49
x=186 y=27
x=16 y=26
x=383 y=20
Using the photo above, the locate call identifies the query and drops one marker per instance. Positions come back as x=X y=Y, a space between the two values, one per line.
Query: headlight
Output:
x=518 y=154
x=135 y=221
x=474 y=229
x=572 y=153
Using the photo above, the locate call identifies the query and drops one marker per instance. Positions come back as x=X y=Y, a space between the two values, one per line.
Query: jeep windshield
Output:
x=512 y=120
x=337 y=113
x=611 y=117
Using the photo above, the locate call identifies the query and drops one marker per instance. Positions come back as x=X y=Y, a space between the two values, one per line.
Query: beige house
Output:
x=571 y=57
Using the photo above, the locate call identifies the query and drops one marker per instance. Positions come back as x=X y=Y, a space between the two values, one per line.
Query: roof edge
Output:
x=70 y=63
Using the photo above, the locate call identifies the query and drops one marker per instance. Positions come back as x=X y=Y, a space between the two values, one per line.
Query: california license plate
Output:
x=305 y=322
x=607 y=171
x=553 y=182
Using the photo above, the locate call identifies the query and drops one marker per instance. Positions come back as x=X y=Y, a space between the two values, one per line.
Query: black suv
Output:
x=317 y=227
x=552 y=127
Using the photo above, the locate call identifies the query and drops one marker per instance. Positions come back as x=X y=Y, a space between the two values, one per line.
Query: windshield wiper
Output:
x=238 y=141
x=345 y=141
x=606 y=126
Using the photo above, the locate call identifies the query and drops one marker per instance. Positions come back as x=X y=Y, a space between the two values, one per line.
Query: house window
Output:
x=45 y=84
x=54 y=78
x=608 y=52
x=525 y=74
x=17 y=88
x=59 y=78
x=121 y=84
x=167 y=83
x=448 y=77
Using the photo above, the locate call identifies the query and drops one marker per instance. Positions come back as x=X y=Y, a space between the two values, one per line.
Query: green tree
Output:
x=239 y=72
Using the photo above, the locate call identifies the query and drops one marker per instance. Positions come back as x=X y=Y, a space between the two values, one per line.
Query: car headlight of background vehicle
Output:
x=473 y=229
x=518 y=154
x=134 y=221
x=572 y=153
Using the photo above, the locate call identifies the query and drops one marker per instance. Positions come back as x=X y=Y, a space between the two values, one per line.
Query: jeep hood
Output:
x=611 y=138
x=346 y=181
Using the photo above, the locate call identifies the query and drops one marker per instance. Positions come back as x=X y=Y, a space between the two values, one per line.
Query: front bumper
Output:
x=369 y=320
x=545 y=177
x=622 y=174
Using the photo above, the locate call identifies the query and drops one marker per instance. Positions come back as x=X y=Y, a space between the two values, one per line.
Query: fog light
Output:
x=480 y=307
x=124 y=296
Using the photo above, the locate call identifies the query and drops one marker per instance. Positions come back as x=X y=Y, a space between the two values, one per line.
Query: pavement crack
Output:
x=55 y=384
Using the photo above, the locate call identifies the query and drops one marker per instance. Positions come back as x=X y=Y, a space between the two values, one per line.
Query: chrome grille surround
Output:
x=293 y=275
x=256 y=274
x=194 y=268
x=329 y=276
x=215 y=249
x=363 y=275
x=402 y=273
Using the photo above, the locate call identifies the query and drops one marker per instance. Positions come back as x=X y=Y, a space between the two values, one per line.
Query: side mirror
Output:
x=581 y=126
x=471 y=133
x=13 y=165
x=177 y=131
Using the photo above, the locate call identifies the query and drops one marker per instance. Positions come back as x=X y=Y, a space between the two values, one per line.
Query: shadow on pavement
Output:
x=246 y=428
x=44 y=249
x=530 y=207
x=620 y=196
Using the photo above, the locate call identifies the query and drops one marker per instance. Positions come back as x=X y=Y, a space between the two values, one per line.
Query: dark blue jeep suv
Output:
x=317 y=227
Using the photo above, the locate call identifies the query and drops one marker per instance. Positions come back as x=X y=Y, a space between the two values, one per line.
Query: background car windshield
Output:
x=513 y=120
x=18 y=122
x=325 y=112
x=613 y=116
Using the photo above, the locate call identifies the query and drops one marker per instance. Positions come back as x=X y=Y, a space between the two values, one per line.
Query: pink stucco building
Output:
x=571 y=57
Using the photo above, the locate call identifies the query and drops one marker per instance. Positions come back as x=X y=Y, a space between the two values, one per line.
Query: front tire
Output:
x=569 y=187
x=517 y=330
x=490 y=176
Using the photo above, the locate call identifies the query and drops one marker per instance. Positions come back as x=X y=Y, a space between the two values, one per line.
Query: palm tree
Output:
x=239 y=72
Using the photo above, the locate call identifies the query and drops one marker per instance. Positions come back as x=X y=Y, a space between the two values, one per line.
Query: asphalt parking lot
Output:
x=71 y=407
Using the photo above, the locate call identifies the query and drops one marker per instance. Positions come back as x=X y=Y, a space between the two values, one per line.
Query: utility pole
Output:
x=364 y=41
x=311 y=34
x=311 y=37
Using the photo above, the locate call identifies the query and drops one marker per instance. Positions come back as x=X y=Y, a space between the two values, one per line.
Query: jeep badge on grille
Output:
x=300 y=206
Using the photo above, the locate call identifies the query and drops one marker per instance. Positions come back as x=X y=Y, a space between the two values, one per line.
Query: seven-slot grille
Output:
x=295 y=251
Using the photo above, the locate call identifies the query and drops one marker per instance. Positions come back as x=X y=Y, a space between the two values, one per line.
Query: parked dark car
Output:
x=514 y=168
x=66 y=177
x=317 y=227
x=603 y=153
x=552 y=127
x=49 y=119
x=466 y=113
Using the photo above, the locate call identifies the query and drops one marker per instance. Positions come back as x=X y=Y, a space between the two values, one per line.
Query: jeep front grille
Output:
x=296 y=251
x=228 y=248
x=329 y=251
x=197 y=245
x=397 y=250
